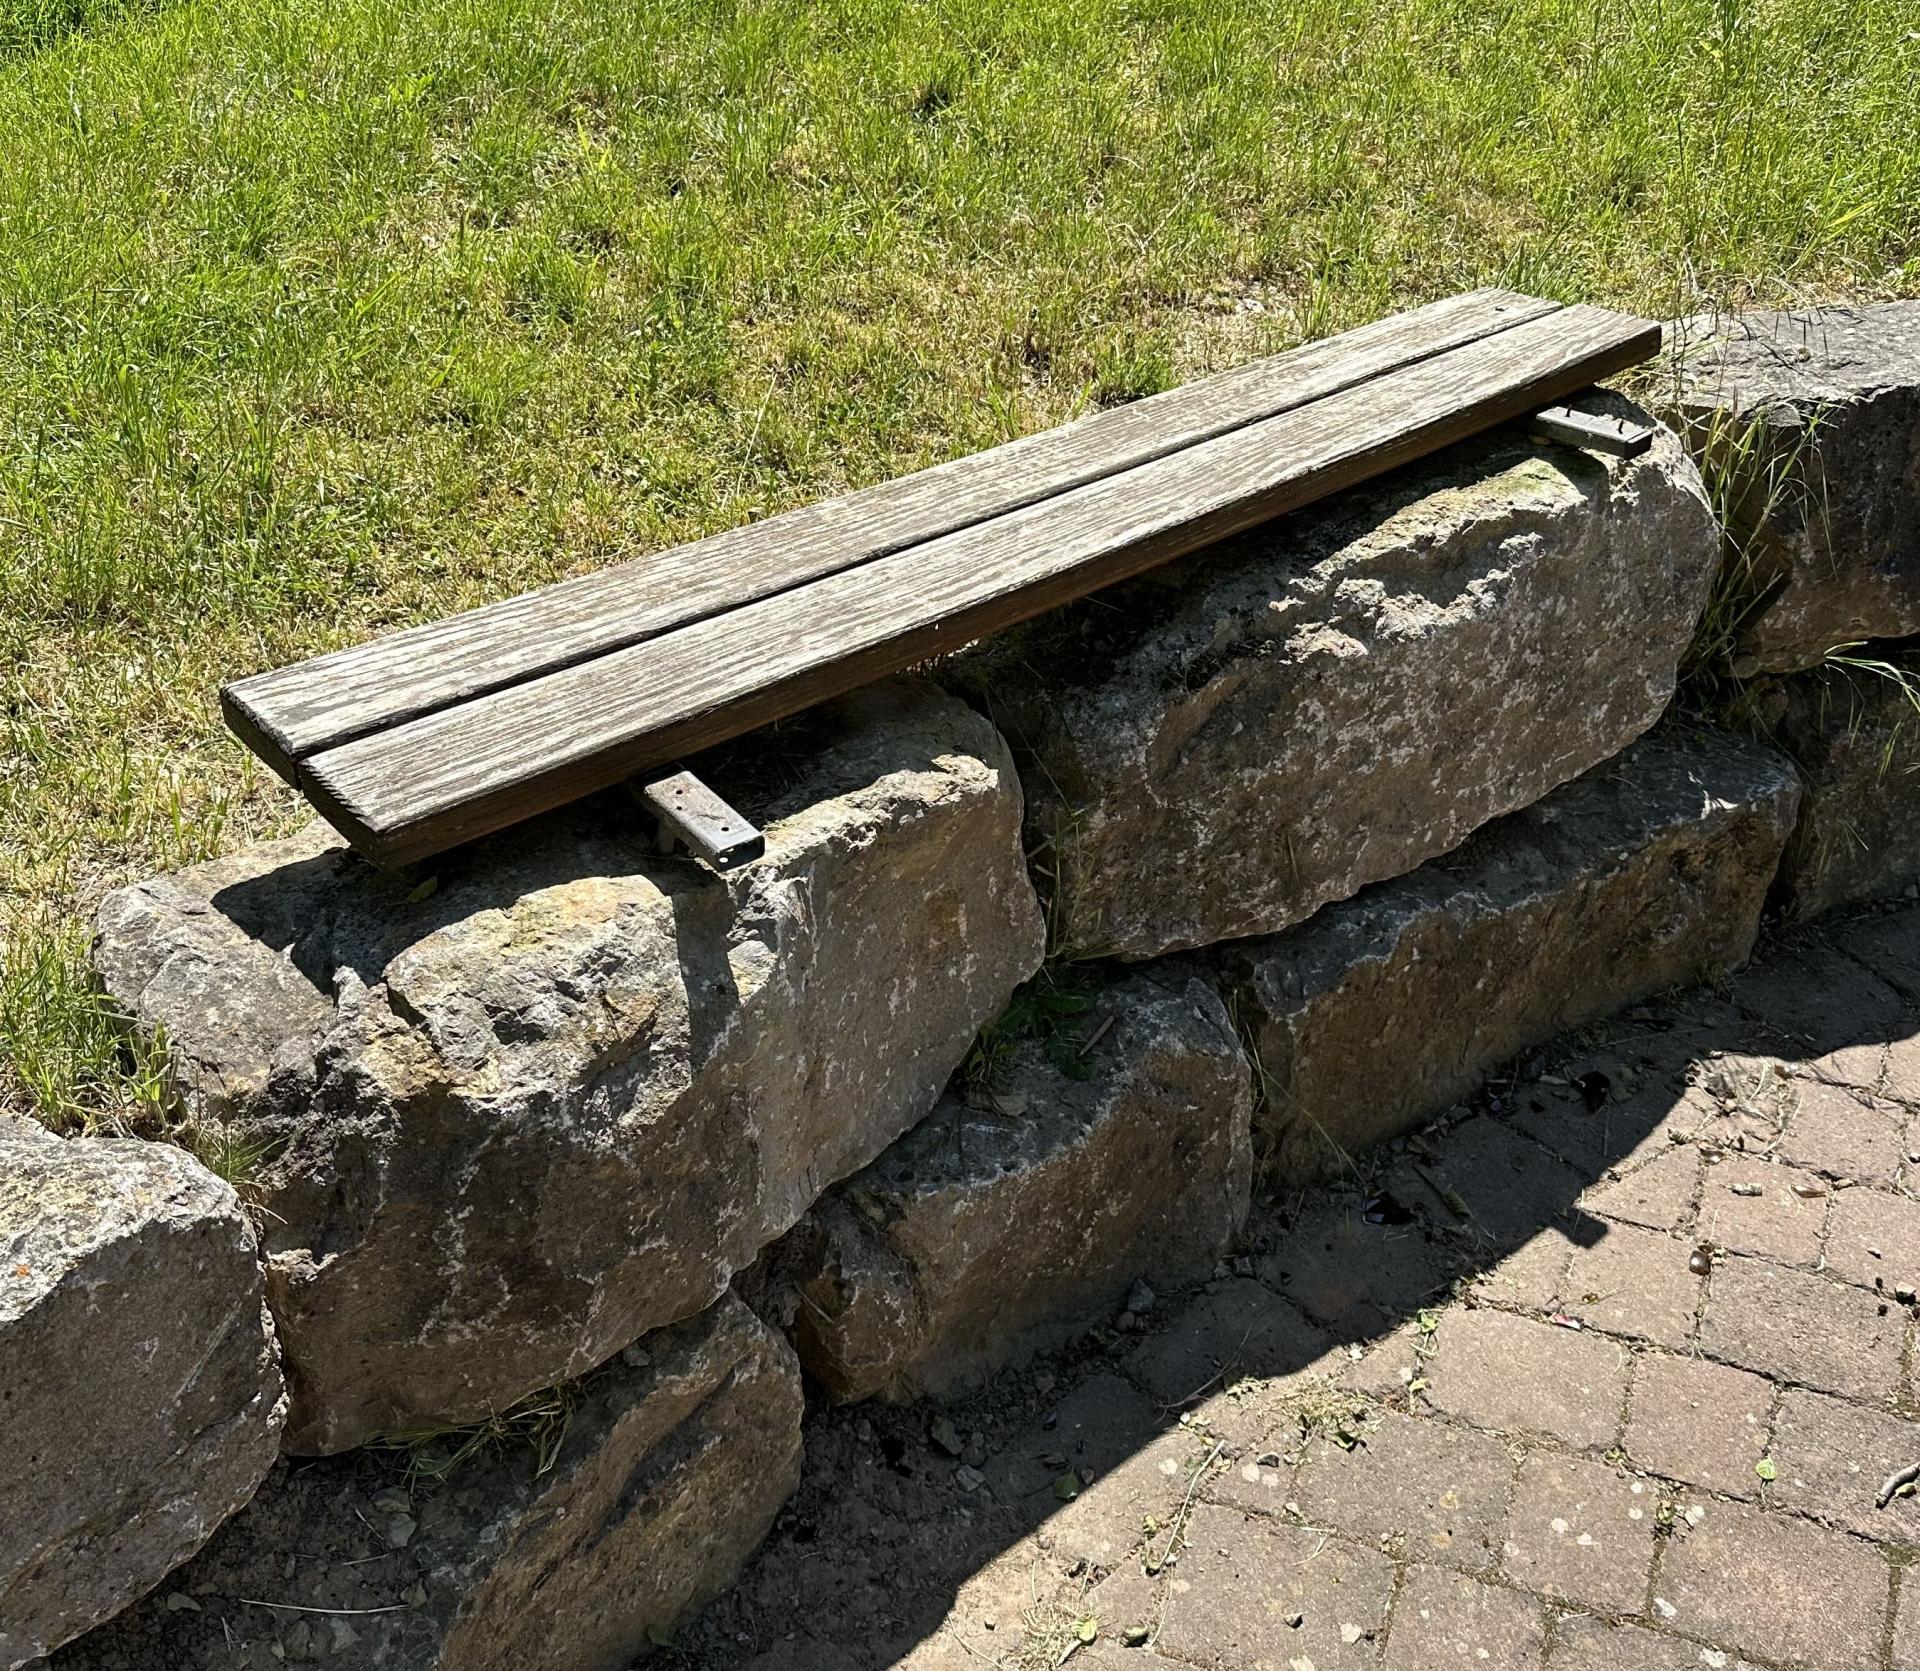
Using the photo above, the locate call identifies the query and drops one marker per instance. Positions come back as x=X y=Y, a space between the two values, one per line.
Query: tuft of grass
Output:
x=1754 y=468
x=31 y=25
x=69 y=1059
x=537 y=1424
x=1904 y=679
x=320 y=320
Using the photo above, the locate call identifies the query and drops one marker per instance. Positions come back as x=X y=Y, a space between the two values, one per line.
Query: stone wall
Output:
x=578 y=1162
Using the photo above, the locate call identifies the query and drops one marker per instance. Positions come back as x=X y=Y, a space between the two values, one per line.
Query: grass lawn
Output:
x=317 y=318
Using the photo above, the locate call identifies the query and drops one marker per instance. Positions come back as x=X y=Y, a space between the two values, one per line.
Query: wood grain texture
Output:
x=290 y=713
x=415 y=789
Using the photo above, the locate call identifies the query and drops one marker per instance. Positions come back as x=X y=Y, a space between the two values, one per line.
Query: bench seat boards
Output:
x=412 y=789
x=293 y=712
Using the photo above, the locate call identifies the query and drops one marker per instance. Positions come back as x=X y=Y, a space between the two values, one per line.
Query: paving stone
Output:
x=1774 y=1222
x=1440 y=1488
x=1582 y=1643
x=1864 y=1220
x=1906 y=1625
x=1260 y=1480
x=1129 y=1461
x=1127 y=1598
x=1659 y=1194
x=1888 y=943
x=1830 y=1457
x=1635 y=1282
x=1902 y=1073
x=1861 y=1067
x=1443 y=1619
x=1514 y=1374
x=1104 y=1524
x=1251 y=1415
x=988 y=1609
x=1776 y=1587
x=1532 y=1277
x=1512 y=1188
x=1242 y=1329
x=1352 y=1275
x=1581 y=1531
x=1844 y=1134
x=1240 y=1580
x=1698 y=1421
x=1746 y=1099
x=1619 y=1134
x=1809 y=1329
x=1387 y=1365
x=1817 y=999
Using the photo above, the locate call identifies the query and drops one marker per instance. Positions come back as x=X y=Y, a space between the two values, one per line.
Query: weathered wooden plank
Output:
x=404 y=793
x=290 y=713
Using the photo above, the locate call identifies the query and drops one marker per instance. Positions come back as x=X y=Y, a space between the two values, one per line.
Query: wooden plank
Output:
x=290 y=713
x=407 y=792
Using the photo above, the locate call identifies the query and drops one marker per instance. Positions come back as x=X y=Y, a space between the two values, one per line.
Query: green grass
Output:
x=316 y=319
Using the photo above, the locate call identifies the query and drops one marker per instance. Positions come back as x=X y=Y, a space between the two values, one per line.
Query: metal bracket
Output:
x=1590 y=430
x=689 y=815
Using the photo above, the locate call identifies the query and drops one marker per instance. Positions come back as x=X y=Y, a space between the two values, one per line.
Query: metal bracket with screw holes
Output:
x=689 y=815
x=1592 y=430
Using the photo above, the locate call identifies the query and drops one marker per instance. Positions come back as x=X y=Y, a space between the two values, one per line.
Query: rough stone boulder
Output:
x=986 y=1230
x=571 y=1542
x=1220 y=748
x=1854 y=732
x=140 y=1395
x=1813 y=418
x=1645 y=873
x=551 y=1092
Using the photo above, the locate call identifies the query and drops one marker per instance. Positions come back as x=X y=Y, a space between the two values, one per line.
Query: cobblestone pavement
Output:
x=1614 y=1386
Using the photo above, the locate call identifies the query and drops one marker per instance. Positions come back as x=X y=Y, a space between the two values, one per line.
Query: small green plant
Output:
x=1050 y=1008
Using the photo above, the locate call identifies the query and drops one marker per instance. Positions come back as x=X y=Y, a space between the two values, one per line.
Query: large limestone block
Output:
x=1645 y=873
x=1854 y=732
x=553 y=1091
x=1223 y=746
x=140 y=1395
x=1813 y=418
x=566 y=1547
x=984 y=1231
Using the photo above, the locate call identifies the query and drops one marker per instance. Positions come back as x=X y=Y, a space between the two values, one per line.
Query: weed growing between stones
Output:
x=1050 y=1009
x=1761 y=470
x=538 y=1423
x=1753 y=465
x=63 y=1047
x=67 y=1057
